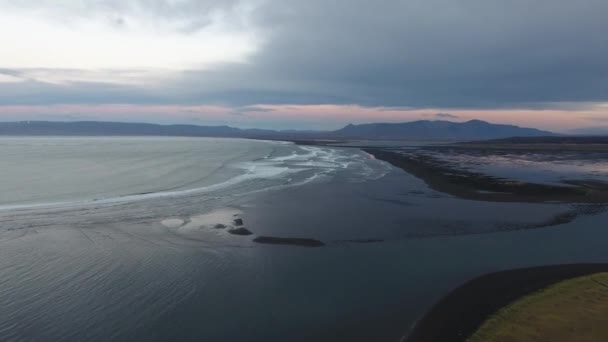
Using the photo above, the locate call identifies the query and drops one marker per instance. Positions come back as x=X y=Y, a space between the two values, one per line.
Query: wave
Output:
x=293 y=166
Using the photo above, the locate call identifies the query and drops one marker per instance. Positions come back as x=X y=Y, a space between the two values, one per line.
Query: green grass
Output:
x=572 y=310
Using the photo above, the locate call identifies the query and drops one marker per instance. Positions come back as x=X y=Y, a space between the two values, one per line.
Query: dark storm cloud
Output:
x=32 y=92
x=441 y=53
x=410 y=53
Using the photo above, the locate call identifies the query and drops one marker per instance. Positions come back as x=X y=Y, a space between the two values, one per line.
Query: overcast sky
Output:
x=305 y=64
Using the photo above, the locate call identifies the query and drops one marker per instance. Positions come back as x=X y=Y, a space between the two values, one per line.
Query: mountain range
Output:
x=415 y=130
x=436 y=130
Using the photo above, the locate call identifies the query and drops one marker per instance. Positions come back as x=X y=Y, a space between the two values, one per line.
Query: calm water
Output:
x=84 y=253
x=47 y=170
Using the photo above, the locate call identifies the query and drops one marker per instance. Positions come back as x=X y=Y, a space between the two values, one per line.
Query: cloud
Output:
x=256 y=109
x=597 y=118
x=4 y=78
x=124 y=35
x=415 y=54
x=467 y=54
x=446 y=116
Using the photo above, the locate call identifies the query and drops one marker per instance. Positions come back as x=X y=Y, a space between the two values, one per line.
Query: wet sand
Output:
x=548 y=143
x=477 y=186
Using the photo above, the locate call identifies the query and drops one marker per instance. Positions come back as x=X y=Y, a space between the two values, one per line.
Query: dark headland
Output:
x=459 y=314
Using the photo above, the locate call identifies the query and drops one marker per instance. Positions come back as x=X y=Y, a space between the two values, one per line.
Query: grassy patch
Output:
x=572 y=310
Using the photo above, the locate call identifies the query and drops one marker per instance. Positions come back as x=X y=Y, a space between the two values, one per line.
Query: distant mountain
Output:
x=112 y=128
x=435 y=130
x=98 y=128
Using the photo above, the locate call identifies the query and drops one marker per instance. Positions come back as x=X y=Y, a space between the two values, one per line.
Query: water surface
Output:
x=99 y=262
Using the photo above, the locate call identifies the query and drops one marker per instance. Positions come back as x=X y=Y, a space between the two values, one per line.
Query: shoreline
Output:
x=459 y=314
x=440 y=176
x=586 y=197
x=569 y=147
x=477 y=186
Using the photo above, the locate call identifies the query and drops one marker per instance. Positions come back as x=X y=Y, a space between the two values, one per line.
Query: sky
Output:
x=311 y=64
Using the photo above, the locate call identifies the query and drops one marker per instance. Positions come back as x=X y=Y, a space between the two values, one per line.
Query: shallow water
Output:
x=147 y=267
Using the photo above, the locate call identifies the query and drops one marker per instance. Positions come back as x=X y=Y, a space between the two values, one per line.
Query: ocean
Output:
x=52 y=171
x=116 y=239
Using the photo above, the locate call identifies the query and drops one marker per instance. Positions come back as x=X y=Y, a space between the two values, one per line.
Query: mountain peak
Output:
x=436 y=130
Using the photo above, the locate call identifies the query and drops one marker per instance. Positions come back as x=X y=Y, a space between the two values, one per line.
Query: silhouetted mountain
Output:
x=474 y=129
x=425 y=129
x=112 y=128
x=96 y=128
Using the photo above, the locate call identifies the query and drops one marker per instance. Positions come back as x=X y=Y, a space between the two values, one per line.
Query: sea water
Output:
x=99 y=241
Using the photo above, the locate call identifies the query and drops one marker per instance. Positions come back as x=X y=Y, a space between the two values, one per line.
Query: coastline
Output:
x=587 y=197
x=476 y=186
x=462 y=311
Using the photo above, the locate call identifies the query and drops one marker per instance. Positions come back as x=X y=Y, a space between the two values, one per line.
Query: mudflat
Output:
x=441 y=176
